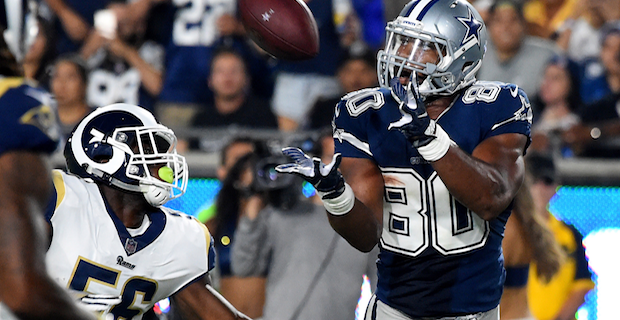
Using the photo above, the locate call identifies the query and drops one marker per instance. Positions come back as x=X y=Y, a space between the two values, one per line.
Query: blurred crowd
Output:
x=190 y=62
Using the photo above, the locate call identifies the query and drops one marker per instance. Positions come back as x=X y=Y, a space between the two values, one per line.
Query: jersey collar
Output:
x=135 y=244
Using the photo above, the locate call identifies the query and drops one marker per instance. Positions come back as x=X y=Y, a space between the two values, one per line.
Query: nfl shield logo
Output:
x=130 y=246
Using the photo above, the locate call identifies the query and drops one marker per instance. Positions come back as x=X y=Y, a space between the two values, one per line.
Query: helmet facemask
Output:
x=152 y=157
x=405 y=45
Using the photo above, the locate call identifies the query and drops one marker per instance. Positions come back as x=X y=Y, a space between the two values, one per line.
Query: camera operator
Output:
x=311 y=272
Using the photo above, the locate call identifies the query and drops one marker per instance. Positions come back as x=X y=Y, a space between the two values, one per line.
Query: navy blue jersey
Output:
x=437 y=257
x=190 y=48
x=27 y=118
x=113 y=80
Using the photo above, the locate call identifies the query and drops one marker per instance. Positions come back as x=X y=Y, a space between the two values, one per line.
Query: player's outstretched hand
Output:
x=415 y=123
x=325 y=178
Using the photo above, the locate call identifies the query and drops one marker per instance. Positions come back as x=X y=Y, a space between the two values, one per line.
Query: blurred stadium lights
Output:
x=594 y=211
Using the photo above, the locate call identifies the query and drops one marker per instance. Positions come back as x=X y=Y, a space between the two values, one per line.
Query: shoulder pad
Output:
x=357 y=102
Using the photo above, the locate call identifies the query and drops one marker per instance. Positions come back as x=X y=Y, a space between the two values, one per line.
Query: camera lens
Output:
x=266 y=176
x=273 y=174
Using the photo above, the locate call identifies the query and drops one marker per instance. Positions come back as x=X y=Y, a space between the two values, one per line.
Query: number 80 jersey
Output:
x=92 y=251
x=437 y=257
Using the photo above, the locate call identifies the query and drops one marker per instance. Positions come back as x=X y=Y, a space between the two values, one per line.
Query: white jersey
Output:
x=92 y=251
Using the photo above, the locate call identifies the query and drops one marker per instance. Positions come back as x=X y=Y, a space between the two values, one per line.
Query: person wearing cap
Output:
x=561 y=297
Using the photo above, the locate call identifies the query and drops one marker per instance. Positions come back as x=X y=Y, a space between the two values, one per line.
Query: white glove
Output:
x=98 y=303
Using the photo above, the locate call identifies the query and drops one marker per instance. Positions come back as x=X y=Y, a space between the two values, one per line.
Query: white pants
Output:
x=378 y=310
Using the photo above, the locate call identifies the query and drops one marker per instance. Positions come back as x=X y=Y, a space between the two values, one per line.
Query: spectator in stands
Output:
x=40 y=55
x=580 y=36
x=357 y=71
x=555 y=105
x=68 y=84
x=123 y=66
x=600 y=76
x=312 y=273
x=229 y=155
x=75 y=20
x=512 y=56
x=234 y=198
x=598 y=133
x=299 y=84
x=193 y=35
x=232 y=102
x=560 y=298
x=545 y=17
x=527 y=239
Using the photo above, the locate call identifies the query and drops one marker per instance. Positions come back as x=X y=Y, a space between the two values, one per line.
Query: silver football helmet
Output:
x=451 y=29
x=124 y=146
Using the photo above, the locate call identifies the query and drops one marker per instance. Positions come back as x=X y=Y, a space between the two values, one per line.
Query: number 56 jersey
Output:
x=437 y=257
x=91 y=250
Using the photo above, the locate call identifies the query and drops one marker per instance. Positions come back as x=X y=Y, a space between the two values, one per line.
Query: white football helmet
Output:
x=452 y=28
x=123 y=146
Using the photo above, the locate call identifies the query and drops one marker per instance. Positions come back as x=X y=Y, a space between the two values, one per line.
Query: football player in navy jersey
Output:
x=28 y=133
x=432 y=161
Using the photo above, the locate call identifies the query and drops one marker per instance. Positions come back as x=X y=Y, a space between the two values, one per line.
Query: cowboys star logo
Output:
x=473 y=27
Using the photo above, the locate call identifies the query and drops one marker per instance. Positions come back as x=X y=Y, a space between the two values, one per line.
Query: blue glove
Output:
x=415 y=124
x=326 y=179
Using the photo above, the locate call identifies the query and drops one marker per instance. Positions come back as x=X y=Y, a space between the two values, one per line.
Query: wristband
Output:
x=341 y=204
x=438 y=147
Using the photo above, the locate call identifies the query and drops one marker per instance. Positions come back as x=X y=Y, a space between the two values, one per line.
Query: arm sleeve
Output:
x=250 y=250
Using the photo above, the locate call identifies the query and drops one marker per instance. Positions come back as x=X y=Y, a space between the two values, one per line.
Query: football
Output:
x=286 y=29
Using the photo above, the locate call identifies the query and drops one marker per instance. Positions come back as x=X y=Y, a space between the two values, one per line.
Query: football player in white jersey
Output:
x=111 y=235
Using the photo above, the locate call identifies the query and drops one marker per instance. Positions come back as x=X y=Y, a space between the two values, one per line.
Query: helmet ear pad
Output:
x=156 y=195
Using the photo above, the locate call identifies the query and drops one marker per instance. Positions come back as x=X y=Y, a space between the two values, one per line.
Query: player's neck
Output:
x=436 y=106
x=130 y=208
